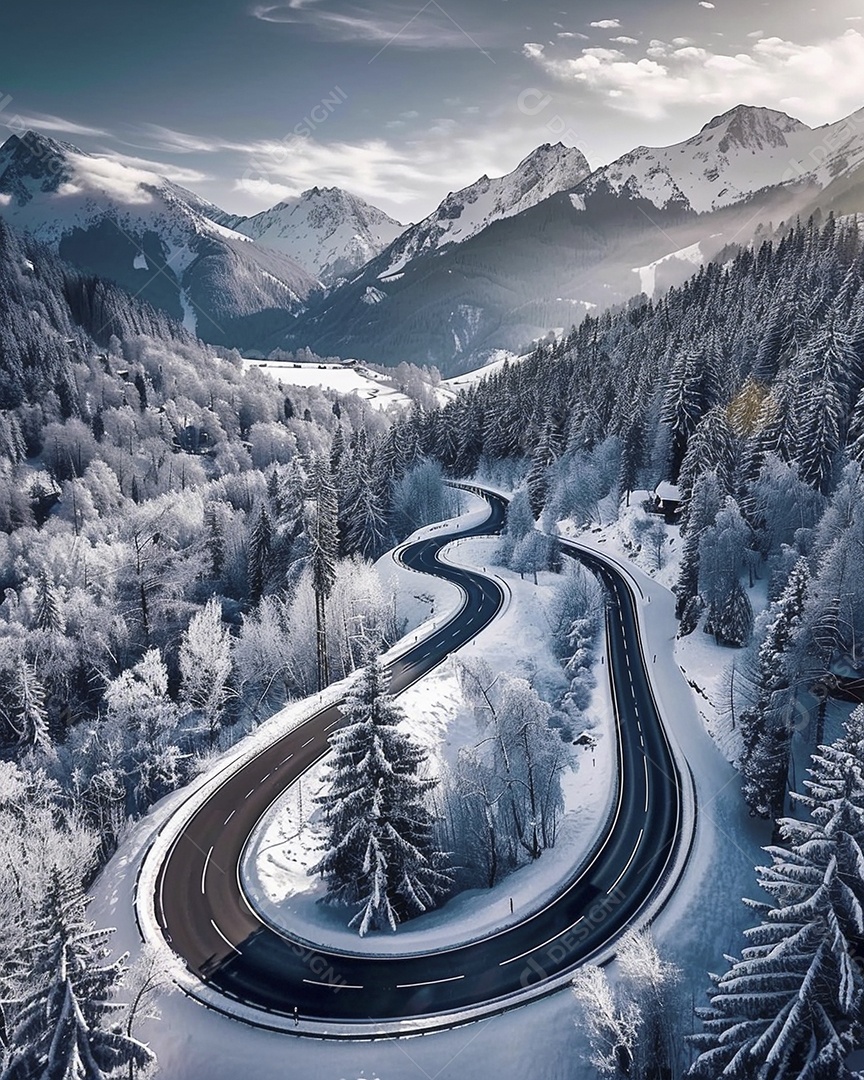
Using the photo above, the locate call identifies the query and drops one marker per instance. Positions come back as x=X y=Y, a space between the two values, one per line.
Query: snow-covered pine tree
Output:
x=379 y=853
x=790 y=1008
x=766 y=730
x=701 y=510
x=364 y=522
x=711 y=448
x=322 y=531
x=683 y=405
x=259 y=550
x=48 y=613
x=732 y=618
x=26 y=714
x=537 y=480
x=58 y=1030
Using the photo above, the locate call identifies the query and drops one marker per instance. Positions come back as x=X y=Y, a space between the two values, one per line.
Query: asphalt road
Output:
x=208 y=922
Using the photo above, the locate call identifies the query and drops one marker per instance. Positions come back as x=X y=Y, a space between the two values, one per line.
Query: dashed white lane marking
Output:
x=284 y=759
x=646 y=783
x=225 y=939
x=204 y=871
x=430 y=982
x=335 y=722
x=340 y=985
x=308 y=741
x=248 y=793
x=534 y=948
x=233 y=812
x=627 y=864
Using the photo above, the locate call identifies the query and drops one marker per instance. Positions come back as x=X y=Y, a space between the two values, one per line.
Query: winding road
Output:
x=204 y=915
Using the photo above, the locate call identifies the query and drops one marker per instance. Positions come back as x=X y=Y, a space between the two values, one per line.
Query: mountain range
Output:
x=498 y=264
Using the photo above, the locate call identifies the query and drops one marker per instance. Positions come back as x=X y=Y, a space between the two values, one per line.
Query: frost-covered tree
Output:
x=379 y=852
x=631 y=1022
x=790 y=1007
x=205 y=666
x=23 y=708
x=60 y=1029
x=701 y=512
x=139 y=734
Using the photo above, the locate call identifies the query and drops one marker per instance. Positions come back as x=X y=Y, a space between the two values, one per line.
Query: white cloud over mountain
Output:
x=826 y=77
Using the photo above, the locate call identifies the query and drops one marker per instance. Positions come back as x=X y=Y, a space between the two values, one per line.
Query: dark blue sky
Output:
x=420 y=98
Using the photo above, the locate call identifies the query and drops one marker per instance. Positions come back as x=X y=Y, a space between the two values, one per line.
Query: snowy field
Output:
x=368 y=385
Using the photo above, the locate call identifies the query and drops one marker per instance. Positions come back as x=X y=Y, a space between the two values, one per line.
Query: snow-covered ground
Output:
x=496 y=361
x=517 y=643
x=368 y=385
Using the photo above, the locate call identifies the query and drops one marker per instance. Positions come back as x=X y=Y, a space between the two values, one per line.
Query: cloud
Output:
x=47 y=122
x=705 y=4
x=5 y=199
x=570 y=34
x=429 y=27
x=178 y=174
x=607 y=24
x=102 y=176
x=815 y=80
x=623 y=40
x=377 y=169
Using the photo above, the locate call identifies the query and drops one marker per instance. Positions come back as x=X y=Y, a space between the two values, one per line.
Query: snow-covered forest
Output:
x=185 y=547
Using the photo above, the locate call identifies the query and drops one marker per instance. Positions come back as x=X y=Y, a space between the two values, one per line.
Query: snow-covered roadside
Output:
x=286 y=843
x=727 y=841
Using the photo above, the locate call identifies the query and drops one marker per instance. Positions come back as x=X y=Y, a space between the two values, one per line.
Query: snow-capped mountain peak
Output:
x=129 y=224
x=736 y=154
x=750 y=127
x=328 y=231
x=546 y=171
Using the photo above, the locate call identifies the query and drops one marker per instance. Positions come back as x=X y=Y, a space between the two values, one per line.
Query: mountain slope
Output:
x=463 y=214
x=641 y=223
x=329 y=232
x=152 y=237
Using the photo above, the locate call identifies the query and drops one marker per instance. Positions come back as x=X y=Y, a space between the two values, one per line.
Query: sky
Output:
x=402 y=102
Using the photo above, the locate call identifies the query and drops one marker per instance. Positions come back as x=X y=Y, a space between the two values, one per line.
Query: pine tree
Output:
x=537 y=480
x=215 y=540
x=732 y=618
x=322 y=531
x=364 y=529
x=259 y=551
x=632 y=455
x=48 y=613
x=380 y=856
x=790 y=1008
x=57 y=1030
x=27 y=715
x=766 y=729
x=700 y=513
x=683 y=405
